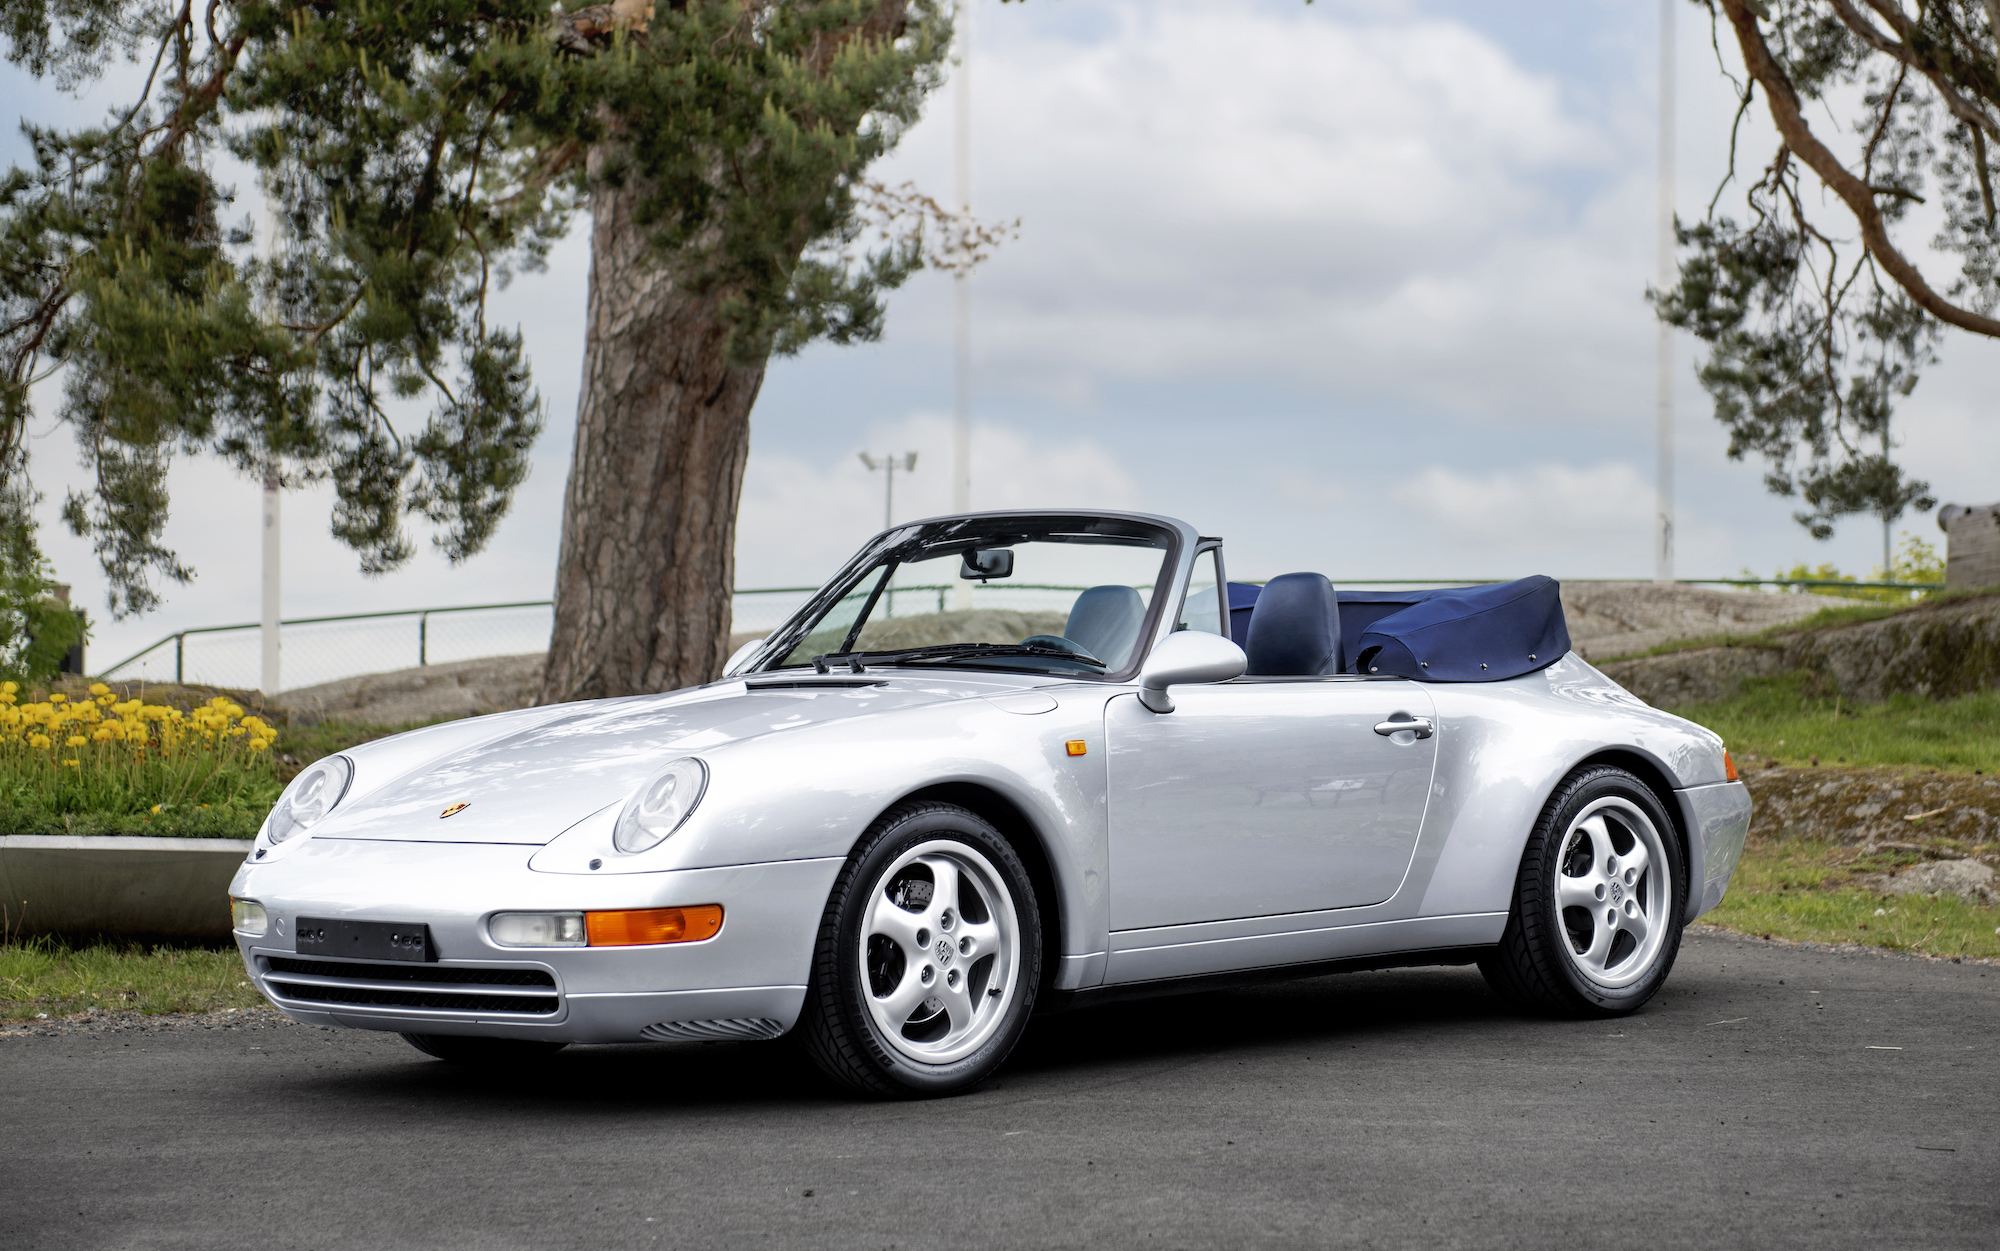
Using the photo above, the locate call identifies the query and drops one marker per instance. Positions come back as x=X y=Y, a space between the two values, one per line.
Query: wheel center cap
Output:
x=1617 y=892
x=943 y=950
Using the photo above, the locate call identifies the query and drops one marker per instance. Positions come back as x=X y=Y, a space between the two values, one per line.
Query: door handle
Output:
x=1420 y=726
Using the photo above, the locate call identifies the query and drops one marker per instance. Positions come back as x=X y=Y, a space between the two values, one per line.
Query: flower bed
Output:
x=95 y=764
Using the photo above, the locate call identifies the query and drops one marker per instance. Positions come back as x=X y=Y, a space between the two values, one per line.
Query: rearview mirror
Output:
x=1188 y=656
x=995 y=562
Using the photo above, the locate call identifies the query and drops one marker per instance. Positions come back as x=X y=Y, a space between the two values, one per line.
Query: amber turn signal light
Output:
x=648 y=926
x=1076 y=747
x=1729 y=765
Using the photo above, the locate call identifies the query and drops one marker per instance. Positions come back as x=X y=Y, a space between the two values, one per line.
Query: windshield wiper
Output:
x=950 y=651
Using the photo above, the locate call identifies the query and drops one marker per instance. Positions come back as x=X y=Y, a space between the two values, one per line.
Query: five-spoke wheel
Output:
x=941 y=943
x=1596 y=921
x=929 y=955
x=1610 y=899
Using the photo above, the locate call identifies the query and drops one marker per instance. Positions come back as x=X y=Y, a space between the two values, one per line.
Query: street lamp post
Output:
x=888 y=465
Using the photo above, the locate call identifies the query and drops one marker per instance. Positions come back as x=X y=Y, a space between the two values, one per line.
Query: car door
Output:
x=1259 y=797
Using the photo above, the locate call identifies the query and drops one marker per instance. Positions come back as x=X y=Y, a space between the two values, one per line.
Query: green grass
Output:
x=45 y=976
x=1813 y=891
x=1782 y=718
x=298 y=746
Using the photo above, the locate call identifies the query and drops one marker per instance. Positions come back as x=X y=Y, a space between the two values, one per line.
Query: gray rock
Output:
x=1968 y=879
x=1608 y=619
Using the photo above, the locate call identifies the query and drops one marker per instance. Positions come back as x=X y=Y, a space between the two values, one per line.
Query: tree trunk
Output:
x=643 y=587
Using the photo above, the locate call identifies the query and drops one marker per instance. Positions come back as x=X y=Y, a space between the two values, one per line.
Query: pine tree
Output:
x=1819 y=319
x=416 y=154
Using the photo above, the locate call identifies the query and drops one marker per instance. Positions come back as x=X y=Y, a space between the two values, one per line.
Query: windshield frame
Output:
x=978 y=529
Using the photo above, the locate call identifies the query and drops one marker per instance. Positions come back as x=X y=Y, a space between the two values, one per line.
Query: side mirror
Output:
x=997 y=562
x=1187 y=656
x=740 y=655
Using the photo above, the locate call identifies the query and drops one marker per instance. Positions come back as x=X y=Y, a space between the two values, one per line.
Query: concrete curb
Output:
x=62 y=884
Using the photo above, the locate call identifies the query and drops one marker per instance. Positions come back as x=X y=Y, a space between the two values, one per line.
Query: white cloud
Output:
x=1525 y=509
x=800 y=519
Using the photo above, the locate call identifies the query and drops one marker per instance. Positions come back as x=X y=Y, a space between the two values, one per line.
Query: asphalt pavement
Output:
x=1772 y=1096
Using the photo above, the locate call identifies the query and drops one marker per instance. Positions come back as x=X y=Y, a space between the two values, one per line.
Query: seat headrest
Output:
x=1295 y=628
x=1105 y=621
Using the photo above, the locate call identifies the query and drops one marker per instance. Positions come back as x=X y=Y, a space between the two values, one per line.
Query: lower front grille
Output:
x=432 y=987
x=355 y=971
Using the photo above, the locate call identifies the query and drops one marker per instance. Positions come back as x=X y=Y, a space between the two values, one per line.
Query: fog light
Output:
x=537 y=929
x=648 y=926
x=247 y=916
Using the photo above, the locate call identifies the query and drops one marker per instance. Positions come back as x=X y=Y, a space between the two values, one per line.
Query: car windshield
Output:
x=1061 y=595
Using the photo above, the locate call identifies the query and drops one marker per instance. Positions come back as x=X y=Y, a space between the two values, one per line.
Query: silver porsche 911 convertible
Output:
x=1001 y=763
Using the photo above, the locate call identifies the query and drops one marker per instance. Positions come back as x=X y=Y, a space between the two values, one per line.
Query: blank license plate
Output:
x=363 y=940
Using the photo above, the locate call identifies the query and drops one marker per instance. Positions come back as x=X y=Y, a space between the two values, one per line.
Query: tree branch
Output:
x=1858 y=195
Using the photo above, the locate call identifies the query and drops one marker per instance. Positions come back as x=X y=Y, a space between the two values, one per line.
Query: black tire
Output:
x=482 y=1053
x=1544 y=962
x=841 y=1028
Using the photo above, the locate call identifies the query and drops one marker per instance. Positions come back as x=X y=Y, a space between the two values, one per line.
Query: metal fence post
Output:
x=180 y=650
x=423 y=638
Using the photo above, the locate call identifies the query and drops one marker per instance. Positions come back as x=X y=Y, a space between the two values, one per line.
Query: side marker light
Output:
x=649 y=926
x=1076 y=747
x=1729 y=766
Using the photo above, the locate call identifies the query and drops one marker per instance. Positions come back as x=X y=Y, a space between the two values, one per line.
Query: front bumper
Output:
x=747 y=981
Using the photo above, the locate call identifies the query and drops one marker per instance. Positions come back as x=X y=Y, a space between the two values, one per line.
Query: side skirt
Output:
x=1052 y=1003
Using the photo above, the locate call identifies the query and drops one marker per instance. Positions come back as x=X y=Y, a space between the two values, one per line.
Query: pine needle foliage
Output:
x=1803 y=279
x=415 y=155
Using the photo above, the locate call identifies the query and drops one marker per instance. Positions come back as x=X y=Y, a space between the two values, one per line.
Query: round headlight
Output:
x=311 y=796
x=661 y=805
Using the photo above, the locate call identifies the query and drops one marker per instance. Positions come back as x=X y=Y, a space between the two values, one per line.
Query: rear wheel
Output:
x=1596 y=920
x=484 y=1053
x=928 y=959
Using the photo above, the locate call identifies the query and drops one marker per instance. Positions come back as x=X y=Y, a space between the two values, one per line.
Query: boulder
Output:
x=1968 y=879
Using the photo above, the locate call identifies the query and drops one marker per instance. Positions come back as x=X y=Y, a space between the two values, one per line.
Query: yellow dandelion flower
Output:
x=75 y=740
x=156 y=810
x=72 y=764
x=38 y=740
x=57 y=699
x=98 y=688
x=259 y=744
x=104 y=734
x=10 y=688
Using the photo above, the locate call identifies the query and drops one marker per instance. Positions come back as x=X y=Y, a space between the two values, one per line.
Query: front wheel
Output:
x=928 y=959
x=1596 y=920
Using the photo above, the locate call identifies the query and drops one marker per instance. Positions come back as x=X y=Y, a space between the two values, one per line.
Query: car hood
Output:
x=541 y=771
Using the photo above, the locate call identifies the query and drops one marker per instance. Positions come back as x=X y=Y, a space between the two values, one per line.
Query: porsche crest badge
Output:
x=453 y=811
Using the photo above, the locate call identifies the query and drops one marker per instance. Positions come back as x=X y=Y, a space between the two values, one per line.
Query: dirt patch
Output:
x=105 y=1021
x=1941 y=814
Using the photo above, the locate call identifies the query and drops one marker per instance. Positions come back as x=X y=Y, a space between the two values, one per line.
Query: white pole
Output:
x=270 y=632
x=961 y=289
x=1663 y=549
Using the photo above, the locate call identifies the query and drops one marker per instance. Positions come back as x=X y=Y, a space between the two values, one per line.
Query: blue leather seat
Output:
x=1295 y=628
x=1105 y=621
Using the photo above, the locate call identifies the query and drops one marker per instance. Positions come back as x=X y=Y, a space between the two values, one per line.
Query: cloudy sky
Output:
x=1357 y=285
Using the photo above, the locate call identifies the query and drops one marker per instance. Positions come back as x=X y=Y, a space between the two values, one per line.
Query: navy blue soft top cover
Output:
x=1463 y=634
x=1450 y=634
